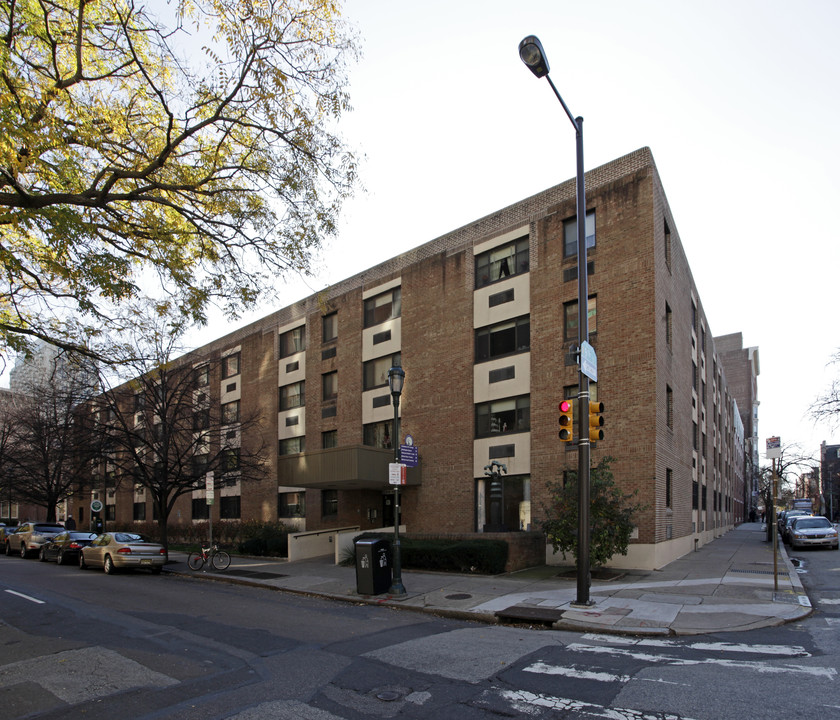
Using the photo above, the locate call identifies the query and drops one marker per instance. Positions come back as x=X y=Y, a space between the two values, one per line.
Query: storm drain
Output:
x=757 y=572
x=458 y=596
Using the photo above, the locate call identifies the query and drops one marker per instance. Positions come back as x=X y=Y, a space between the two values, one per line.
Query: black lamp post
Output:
x=396 y=380
x=532 y=54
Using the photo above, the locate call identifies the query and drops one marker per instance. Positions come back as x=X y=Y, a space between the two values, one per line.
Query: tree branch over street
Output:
x=193 y=161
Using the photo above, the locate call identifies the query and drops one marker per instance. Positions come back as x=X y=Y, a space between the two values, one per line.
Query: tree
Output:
x=610 y=515
x=52 y=453
x=826 y=408
x=162 y=431
x=191 y=162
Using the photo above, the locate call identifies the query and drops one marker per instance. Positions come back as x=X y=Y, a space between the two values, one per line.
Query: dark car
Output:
x=29 y=537
x=65 y=547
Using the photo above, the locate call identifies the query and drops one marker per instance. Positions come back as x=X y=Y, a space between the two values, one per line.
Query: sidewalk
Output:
x=726 y=585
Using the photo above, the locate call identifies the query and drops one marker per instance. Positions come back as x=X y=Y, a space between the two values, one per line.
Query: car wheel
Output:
x=108 y=566
x=82 y=563
x=59 y=560
x=42 y=555
x=23 y=552
x=8 y=549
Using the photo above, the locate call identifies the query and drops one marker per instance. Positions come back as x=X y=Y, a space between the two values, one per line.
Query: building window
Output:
x=291 y=505
x=293 y=341
x=668 y=481
x=667 y=246
x=669 y=326
x=329 y=439
x=669 y=406
x=570 y=235
x=293 y=395
x=376 y=371
x=381 y=308
x=200 y=509
x=201 y=376
x=229 y=507
x=503 y=416
x=329 y=383
x=229 y=460
x=230 y=365
x=230 y=413
x=199 y=468
x=292 y=446
x=502 y=261
x=507 y=338
x=570 y=318
x=378 y=434
x=329 y=325
x=201 y=419
x=329 y=503
x=139 y=512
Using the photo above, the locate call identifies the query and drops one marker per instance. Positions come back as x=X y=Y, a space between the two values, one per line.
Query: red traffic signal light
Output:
x=566 y=420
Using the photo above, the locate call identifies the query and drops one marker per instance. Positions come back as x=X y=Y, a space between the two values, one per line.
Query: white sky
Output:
x=738 y=100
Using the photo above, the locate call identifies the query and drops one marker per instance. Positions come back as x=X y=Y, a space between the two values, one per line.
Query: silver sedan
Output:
x=809 y=531
x=123 y=550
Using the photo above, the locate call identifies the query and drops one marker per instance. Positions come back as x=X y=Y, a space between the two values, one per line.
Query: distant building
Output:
x=483 y=320
x=742 y=369
x=830 y=479
x=48 y=364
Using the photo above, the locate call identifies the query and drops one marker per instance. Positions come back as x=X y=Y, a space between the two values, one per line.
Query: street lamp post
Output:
x=532 y=54
x=396 y=380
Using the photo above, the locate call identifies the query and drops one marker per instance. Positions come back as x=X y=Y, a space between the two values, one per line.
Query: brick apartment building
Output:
x=482 y=321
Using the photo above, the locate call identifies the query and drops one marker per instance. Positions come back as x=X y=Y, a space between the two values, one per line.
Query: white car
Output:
x=810 y=531
x=123 y=551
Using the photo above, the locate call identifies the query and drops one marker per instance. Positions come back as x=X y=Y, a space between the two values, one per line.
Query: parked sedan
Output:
x=809 y=531
x=65 y=547
x=29 y=537
x=123 y=550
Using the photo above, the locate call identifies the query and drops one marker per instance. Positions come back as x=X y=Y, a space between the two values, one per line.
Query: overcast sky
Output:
x=737 y=99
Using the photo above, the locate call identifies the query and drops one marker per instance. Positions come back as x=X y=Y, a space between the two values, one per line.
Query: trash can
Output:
x=373 y=566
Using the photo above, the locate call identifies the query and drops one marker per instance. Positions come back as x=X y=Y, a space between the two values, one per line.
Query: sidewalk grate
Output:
x=757 y=572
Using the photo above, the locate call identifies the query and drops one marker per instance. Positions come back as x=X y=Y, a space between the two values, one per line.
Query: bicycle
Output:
x=219 y=559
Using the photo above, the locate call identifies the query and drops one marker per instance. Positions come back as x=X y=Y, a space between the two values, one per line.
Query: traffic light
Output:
x=566 y=420
x=596 y=422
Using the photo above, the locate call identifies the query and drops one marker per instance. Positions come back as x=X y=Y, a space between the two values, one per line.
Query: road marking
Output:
x=757 y=666
x=786 y=650
x=525 y=702
x=26 y=597
x=542 y=668
x=830 y=601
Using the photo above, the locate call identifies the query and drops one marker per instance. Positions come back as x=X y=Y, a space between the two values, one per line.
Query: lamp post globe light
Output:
x=396 y=380
x=532 y=54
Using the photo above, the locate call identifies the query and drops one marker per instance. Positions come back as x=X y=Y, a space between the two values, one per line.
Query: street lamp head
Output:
x=396 y=379
x=532 y=54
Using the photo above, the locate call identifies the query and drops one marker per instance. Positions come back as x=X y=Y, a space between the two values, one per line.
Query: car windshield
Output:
x=48 y=528
x=128 y=537
x=809 y=522
x=81 y=536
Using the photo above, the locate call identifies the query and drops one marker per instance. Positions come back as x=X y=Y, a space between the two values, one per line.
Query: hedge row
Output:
x=486 y=557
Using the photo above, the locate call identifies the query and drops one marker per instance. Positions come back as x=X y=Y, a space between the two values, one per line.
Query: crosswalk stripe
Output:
x=542 y=668
x=524 y=702
x=757 y=666
x=785 y=650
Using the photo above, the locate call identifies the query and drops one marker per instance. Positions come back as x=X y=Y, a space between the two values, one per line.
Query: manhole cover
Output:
x=458 y=596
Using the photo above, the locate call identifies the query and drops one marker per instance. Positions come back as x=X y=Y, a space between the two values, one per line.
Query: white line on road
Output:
x=525 y=702
x=757 y=666
x=26 y=597
x=785 y=650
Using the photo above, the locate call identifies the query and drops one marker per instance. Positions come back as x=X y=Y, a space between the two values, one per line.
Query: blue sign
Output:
x=409 y=455
x=588 y=361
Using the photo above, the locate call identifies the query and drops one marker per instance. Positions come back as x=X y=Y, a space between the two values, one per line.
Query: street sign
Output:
x=96 y=506
x=209 y=488
x=774 y=448
x=396 y=474
x=409 y=455
x=588 y=361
